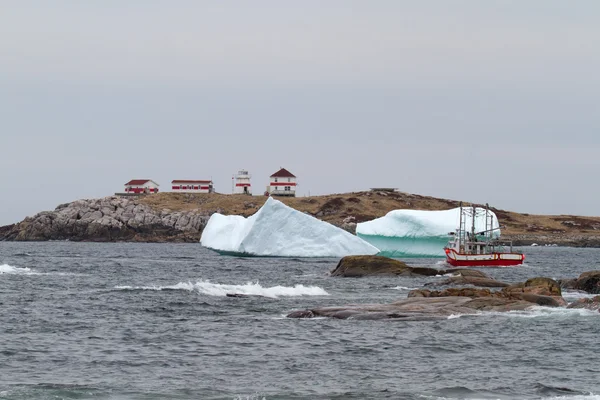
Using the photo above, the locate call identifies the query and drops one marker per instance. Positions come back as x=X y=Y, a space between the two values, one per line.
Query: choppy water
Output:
x=152 y=321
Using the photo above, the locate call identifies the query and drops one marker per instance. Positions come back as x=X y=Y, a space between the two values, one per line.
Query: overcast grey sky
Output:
x=485 y=101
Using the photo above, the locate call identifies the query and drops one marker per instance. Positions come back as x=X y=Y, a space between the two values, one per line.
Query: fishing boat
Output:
x=469 y=248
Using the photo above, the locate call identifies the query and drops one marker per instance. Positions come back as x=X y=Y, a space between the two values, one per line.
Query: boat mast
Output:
x=461 y=244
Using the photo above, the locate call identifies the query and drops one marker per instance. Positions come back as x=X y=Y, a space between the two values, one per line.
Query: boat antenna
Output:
x=487 y=219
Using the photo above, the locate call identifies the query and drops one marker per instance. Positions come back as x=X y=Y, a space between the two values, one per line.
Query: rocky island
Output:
x=178 y=217
x=463 y=297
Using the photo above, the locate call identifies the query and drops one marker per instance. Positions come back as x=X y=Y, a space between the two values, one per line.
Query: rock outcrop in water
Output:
x=360 y=266
x=108 y=219
x=588 y=282
x=415 y=308
x=423 y=304
x=460 y=279
x=541 y=291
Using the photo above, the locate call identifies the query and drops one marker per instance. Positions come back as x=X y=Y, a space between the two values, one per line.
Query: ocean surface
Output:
x=152 y=321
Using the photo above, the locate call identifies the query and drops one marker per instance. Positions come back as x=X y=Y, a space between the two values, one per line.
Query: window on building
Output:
x=275 y=179
x=289 y=179
x=287 y=188
x=180 y=186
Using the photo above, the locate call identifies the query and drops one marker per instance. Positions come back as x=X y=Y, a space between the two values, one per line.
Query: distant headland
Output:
x=181 y=217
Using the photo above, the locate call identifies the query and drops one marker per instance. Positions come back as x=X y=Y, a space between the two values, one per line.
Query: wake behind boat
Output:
x=483 y=249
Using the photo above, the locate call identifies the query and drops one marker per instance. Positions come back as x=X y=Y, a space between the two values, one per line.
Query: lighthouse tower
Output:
x=242 y=183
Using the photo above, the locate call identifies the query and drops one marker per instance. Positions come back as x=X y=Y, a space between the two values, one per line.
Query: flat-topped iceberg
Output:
x=417 y=233
x=280 y=231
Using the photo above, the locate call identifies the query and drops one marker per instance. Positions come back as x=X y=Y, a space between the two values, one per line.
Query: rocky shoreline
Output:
x=169 y=217
x=110 y=219
x=561 y=239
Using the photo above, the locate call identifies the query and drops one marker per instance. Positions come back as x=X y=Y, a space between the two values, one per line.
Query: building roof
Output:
x=283 y=173
x=190 y=181
x=137 y=182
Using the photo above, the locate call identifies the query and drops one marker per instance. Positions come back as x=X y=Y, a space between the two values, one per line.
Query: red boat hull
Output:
x=483 y=263
x=483 y=260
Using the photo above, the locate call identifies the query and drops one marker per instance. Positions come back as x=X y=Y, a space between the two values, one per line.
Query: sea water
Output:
x=153 y=321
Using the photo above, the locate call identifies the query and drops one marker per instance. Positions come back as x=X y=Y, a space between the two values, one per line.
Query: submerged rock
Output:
x=360 y=266
x=465 y=276
x=467 y=272
x=459 y=292
x=470 y=280
x=586 y=303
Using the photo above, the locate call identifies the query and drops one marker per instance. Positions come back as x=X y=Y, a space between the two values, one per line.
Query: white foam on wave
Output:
x=455 y=316
x=534 y=312
x=576 y=295
x=10 y=270
x=545 y=312
x=250 y=288
x=403 y=288
x=250 y=397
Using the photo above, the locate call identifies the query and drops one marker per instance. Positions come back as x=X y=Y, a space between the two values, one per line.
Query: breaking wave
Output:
x=403 y=288
x=10 y=270
x=576 y=295
x=250 y=289
x=534 y=312
x=547 y=312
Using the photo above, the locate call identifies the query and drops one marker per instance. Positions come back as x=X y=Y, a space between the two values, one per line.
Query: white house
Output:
x=282 y=183
x=139 y=186
x=242 y=183
x=192 y=186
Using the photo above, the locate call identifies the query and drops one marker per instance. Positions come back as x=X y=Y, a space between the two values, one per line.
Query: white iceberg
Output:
x=418 y=233
x=280 y=231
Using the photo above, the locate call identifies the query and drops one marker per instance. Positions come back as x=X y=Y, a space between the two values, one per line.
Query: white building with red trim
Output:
x=192 y=186
x=141 y=186
x=242 y=183
x=282 y=183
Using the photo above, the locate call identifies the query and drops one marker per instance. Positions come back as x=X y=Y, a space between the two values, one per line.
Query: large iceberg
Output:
x=280 y=231
x=417 y=233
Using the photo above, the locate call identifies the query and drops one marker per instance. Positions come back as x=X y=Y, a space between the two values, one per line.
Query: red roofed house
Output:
x=282 y=183
x=139 y=186
x=191 y=186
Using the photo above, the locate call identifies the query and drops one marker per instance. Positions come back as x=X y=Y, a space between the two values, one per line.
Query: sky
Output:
x=491 y=102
